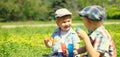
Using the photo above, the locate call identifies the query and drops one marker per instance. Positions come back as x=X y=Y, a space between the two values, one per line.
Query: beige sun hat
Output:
x=62 y=12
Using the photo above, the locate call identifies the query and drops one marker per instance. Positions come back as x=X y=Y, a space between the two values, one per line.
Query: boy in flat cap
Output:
x=67 y=38
x=98 y=42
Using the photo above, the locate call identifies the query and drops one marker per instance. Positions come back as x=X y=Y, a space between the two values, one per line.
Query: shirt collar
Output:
x=96 y=32
x=69 y=31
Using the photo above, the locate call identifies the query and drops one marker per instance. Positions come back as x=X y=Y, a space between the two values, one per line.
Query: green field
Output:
x=78 y=20
x=28 y=41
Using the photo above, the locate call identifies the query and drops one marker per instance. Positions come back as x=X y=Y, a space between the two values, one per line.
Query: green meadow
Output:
x=29 y=41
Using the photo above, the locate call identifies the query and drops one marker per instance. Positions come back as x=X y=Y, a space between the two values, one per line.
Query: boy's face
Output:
x=64 y=23
x=90 y=24
x=86 y=23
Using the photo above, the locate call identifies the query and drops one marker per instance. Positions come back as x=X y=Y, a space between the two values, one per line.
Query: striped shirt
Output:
x=71 y=38
x=102 y=42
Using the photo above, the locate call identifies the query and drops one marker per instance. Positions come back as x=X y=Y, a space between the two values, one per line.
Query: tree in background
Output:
x=43 y=10
x=22 y=10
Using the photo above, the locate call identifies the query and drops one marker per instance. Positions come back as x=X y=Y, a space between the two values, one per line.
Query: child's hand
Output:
x=75 y=52
x=48 y=42
x=65 y=53
x=82 y=34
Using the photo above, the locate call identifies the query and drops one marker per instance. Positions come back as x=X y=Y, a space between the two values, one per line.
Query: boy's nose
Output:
x=67 y=24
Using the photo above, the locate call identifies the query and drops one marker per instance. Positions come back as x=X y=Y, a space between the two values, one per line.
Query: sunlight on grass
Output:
x=28 y=41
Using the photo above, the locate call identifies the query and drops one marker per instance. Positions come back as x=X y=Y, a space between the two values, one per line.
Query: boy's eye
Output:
x=68 y=21
x=64 y=22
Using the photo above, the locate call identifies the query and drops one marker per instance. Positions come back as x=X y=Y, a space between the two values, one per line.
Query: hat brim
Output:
x=57 y=16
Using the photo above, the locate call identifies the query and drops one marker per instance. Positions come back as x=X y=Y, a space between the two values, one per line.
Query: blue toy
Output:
x=70 y=50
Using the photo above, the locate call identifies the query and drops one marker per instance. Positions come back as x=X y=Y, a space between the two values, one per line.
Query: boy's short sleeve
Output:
x=53 y=35
x=76 y=38
x=56 y=32
x=101 y=44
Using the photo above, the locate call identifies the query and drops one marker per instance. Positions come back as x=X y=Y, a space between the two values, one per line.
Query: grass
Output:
x=28 y=41
x=46 y=22
x=115 y=33
x=28 y=22
x=24 y=42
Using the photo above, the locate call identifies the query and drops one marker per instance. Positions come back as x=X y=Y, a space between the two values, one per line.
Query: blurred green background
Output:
x=43 y=10
x=25 y=23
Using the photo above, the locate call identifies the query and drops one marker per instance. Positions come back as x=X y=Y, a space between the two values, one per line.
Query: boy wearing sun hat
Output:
x=67 y=38
x=98 y=42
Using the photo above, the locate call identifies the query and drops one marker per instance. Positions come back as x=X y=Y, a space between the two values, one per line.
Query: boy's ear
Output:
x=57 y=23
x=89 y=21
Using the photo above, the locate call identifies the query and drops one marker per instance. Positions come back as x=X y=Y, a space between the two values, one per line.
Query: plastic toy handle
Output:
x=64 y=48
x=70 y=50
x=78 y=28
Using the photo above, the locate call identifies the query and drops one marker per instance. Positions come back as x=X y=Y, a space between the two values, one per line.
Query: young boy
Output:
x=64 y=38
x=98 y=43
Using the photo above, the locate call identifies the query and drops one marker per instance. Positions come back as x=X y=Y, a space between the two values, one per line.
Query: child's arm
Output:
x=89 y=48
x=80 y=50
x=48 y=42
x=76 y=46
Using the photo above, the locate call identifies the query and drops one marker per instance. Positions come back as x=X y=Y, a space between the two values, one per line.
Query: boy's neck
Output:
x=94 y=28
x=96 y=25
